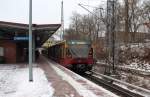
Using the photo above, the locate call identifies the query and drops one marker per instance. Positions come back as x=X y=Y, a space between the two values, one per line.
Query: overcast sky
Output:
x=44 y=11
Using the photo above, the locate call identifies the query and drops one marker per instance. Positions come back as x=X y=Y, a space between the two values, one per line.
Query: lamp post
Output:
x=30 y=42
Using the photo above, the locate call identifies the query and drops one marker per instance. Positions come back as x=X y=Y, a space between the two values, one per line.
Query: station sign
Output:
x=21 y=38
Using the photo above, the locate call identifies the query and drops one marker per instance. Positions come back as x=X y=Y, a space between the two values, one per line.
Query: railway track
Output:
x=111 y=87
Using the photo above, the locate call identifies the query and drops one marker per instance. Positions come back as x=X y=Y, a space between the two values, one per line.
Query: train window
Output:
x=62 y=52
x=79 y=50
x=78 y=46
x=59 y=52
x=91 y=52
x=1 y=51
x=68 y=53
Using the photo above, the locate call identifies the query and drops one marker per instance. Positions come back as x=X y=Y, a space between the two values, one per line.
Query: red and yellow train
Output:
x=75 y=55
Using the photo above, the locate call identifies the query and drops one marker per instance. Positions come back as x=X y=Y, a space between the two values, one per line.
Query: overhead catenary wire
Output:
x=102 y=19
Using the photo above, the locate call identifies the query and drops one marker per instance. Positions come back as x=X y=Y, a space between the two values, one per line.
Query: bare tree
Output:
x=75 y=25
x=146 y=14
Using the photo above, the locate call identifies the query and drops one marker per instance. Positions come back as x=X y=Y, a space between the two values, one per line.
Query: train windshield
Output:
x=79 y=50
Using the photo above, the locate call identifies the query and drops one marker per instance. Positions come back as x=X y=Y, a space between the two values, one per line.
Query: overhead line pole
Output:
x=111 y=33
x=62 y=20
x=30 y=42
x=126 y=21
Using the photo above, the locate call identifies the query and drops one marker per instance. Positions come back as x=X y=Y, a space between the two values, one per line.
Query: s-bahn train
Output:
x=74 y=55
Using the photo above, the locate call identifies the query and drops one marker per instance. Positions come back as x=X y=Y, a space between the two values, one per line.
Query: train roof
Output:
x=72 y=42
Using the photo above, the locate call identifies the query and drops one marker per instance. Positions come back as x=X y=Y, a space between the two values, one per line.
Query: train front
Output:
x=81 y=56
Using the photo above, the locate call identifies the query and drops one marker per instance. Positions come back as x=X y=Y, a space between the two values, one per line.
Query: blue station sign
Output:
x=21 y=38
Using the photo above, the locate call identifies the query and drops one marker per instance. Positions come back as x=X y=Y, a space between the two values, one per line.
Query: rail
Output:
x=121 y=92
x=124 y=83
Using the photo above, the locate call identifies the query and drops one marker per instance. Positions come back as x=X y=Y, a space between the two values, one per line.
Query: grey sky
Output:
x=44 y=11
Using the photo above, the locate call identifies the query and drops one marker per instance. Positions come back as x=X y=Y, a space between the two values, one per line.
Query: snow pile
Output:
x=14 y=83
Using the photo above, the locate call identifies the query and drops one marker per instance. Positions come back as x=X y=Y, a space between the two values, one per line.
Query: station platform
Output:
x=69 y=84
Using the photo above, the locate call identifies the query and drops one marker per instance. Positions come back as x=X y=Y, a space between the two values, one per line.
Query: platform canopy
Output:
x=42 y=32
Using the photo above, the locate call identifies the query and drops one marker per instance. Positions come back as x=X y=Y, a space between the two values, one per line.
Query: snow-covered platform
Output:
x=70 y=84
x=14 y=82
x=49 y=80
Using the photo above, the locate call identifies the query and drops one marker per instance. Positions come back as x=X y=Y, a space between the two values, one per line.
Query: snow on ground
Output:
x=83 y=91
x=142 y=67
x=135 y=45
x=8 y=67
x=14 y=83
